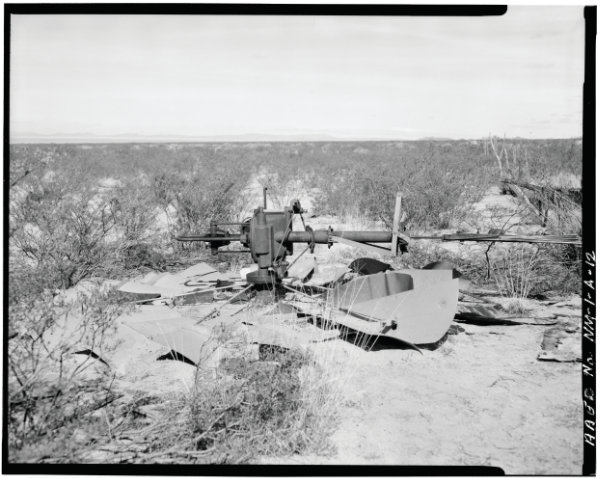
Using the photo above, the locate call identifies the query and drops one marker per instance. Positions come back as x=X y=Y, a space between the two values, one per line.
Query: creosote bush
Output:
x=433 y=196
x=256 y=409
x=204 y=192
x=53 y=387
x=247 y=409
x=60 y=233
x=525 y=270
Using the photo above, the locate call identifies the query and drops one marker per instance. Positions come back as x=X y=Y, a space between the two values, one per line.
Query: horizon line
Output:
x=243 y=138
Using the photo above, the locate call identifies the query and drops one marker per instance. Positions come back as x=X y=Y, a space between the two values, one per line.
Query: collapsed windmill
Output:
x=412 y=306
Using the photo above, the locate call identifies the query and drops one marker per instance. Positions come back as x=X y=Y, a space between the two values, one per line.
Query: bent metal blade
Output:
x=421 y=316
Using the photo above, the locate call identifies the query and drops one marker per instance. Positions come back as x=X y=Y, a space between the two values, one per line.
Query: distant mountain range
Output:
x=138 y=138
x=240 y=138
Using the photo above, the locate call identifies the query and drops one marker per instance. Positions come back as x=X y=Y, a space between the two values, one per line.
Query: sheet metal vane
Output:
x=414 y=306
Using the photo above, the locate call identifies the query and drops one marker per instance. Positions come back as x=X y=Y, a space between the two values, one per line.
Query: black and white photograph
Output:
x=263 y=235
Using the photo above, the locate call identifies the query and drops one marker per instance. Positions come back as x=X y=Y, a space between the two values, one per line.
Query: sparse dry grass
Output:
x=515 y=271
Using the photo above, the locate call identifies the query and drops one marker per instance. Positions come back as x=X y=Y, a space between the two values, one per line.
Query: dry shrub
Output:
x=251 y=415
x=247 y=409
x=203 y=193
x=559 y=269
x=514 y=270
x=54 y=388
x=283 y=187
x=60 y=232
x=64 y=229
x=434 y=194
x=524 y=270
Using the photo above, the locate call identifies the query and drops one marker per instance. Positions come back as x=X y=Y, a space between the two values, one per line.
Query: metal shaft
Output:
x=322 y=236
x=200 y=237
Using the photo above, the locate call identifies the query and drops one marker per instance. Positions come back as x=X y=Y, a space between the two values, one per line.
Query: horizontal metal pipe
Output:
x=322 y=236
x=549 y=239
x=365 y=236
x=198 y=237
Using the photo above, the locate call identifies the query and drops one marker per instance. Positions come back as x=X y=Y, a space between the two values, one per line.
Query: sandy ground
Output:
x=482 y=398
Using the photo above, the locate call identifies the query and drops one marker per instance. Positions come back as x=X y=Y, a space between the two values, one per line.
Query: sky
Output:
x=238 y=77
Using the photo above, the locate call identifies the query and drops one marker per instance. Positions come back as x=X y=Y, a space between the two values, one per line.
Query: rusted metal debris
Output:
x=269 y=237
x=192 y=285
x=412 y=306
x=415 y=306
x=368 y=265
x=493 y=314
x=573 y=239
x=561 y=344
